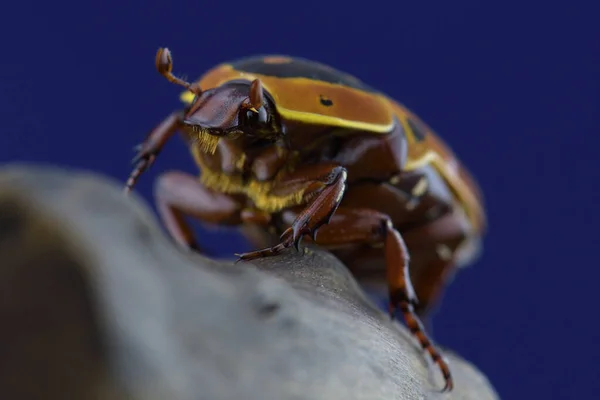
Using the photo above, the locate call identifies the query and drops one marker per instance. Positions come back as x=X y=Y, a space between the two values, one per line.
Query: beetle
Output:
x=291 y=147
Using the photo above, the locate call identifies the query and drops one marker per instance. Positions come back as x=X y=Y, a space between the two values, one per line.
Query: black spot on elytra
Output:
x=325 y=101
x=298 y=67
x=418 y=130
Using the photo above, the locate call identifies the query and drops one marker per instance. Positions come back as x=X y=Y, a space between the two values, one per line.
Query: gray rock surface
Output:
x=97 y=303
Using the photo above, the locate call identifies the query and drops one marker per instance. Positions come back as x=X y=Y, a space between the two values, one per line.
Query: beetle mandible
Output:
x=294 y=148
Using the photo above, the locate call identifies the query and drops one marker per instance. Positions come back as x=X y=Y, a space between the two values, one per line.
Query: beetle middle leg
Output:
x=179 y=195
x=322 y=187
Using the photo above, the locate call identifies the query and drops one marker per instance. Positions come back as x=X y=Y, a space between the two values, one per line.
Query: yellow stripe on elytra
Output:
x=456 y=184
x=312 y=118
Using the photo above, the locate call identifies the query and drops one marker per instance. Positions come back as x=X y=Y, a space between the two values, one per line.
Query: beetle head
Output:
x=235 y=110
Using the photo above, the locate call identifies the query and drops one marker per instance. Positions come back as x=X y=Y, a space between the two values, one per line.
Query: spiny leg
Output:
x=150 y=147
x=323 y=185
x=179 y=195
x=156 y=139
x=364 y=226
x=402 y=296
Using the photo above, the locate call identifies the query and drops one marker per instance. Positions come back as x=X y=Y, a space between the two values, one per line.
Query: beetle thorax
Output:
x=250 y=171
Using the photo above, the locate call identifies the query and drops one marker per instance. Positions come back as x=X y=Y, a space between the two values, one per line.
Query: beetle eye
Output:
x=257 y=118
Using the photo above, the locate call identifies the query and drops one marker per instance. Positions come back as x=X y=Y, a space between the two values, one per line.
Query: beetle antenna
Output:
x=164 y=65
x=256 y=97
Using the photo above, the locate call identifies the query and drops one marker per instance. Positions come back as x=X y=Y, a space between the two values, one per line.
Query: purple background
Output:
x=513 y=86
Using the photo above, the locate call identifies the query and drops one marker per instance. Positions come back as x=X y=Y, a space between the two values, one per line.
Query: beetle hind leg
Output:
x=351 y=226
x=404 y=299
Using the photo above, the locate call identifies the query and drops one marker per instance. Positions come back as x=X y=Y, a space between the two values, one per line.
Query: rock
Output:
x=97 y=303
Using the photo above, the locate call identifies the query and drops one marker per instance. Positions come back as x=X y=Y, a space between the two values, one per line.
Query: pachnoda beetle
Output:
x=293 y=148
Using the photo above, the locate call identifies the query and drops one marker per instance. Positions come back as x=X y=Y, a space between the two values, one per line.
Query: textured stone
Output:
x=97 y=303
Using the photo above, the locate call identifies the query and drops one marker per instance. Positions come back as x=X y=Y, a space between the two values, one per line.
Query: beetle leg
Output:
x=350 y=226
x=150 y=147
x=323 y=186
x=179 y=195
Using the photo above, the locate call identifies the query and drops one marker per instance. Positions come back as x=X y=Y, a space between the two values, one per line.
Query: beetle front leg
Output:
x=323 y=186
x=150 y=147
x=179 y=195
x=351 y=226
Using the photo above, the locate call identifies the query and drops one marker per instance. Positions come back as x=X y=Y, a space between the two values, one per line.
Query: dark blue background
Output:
x=513 y=86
